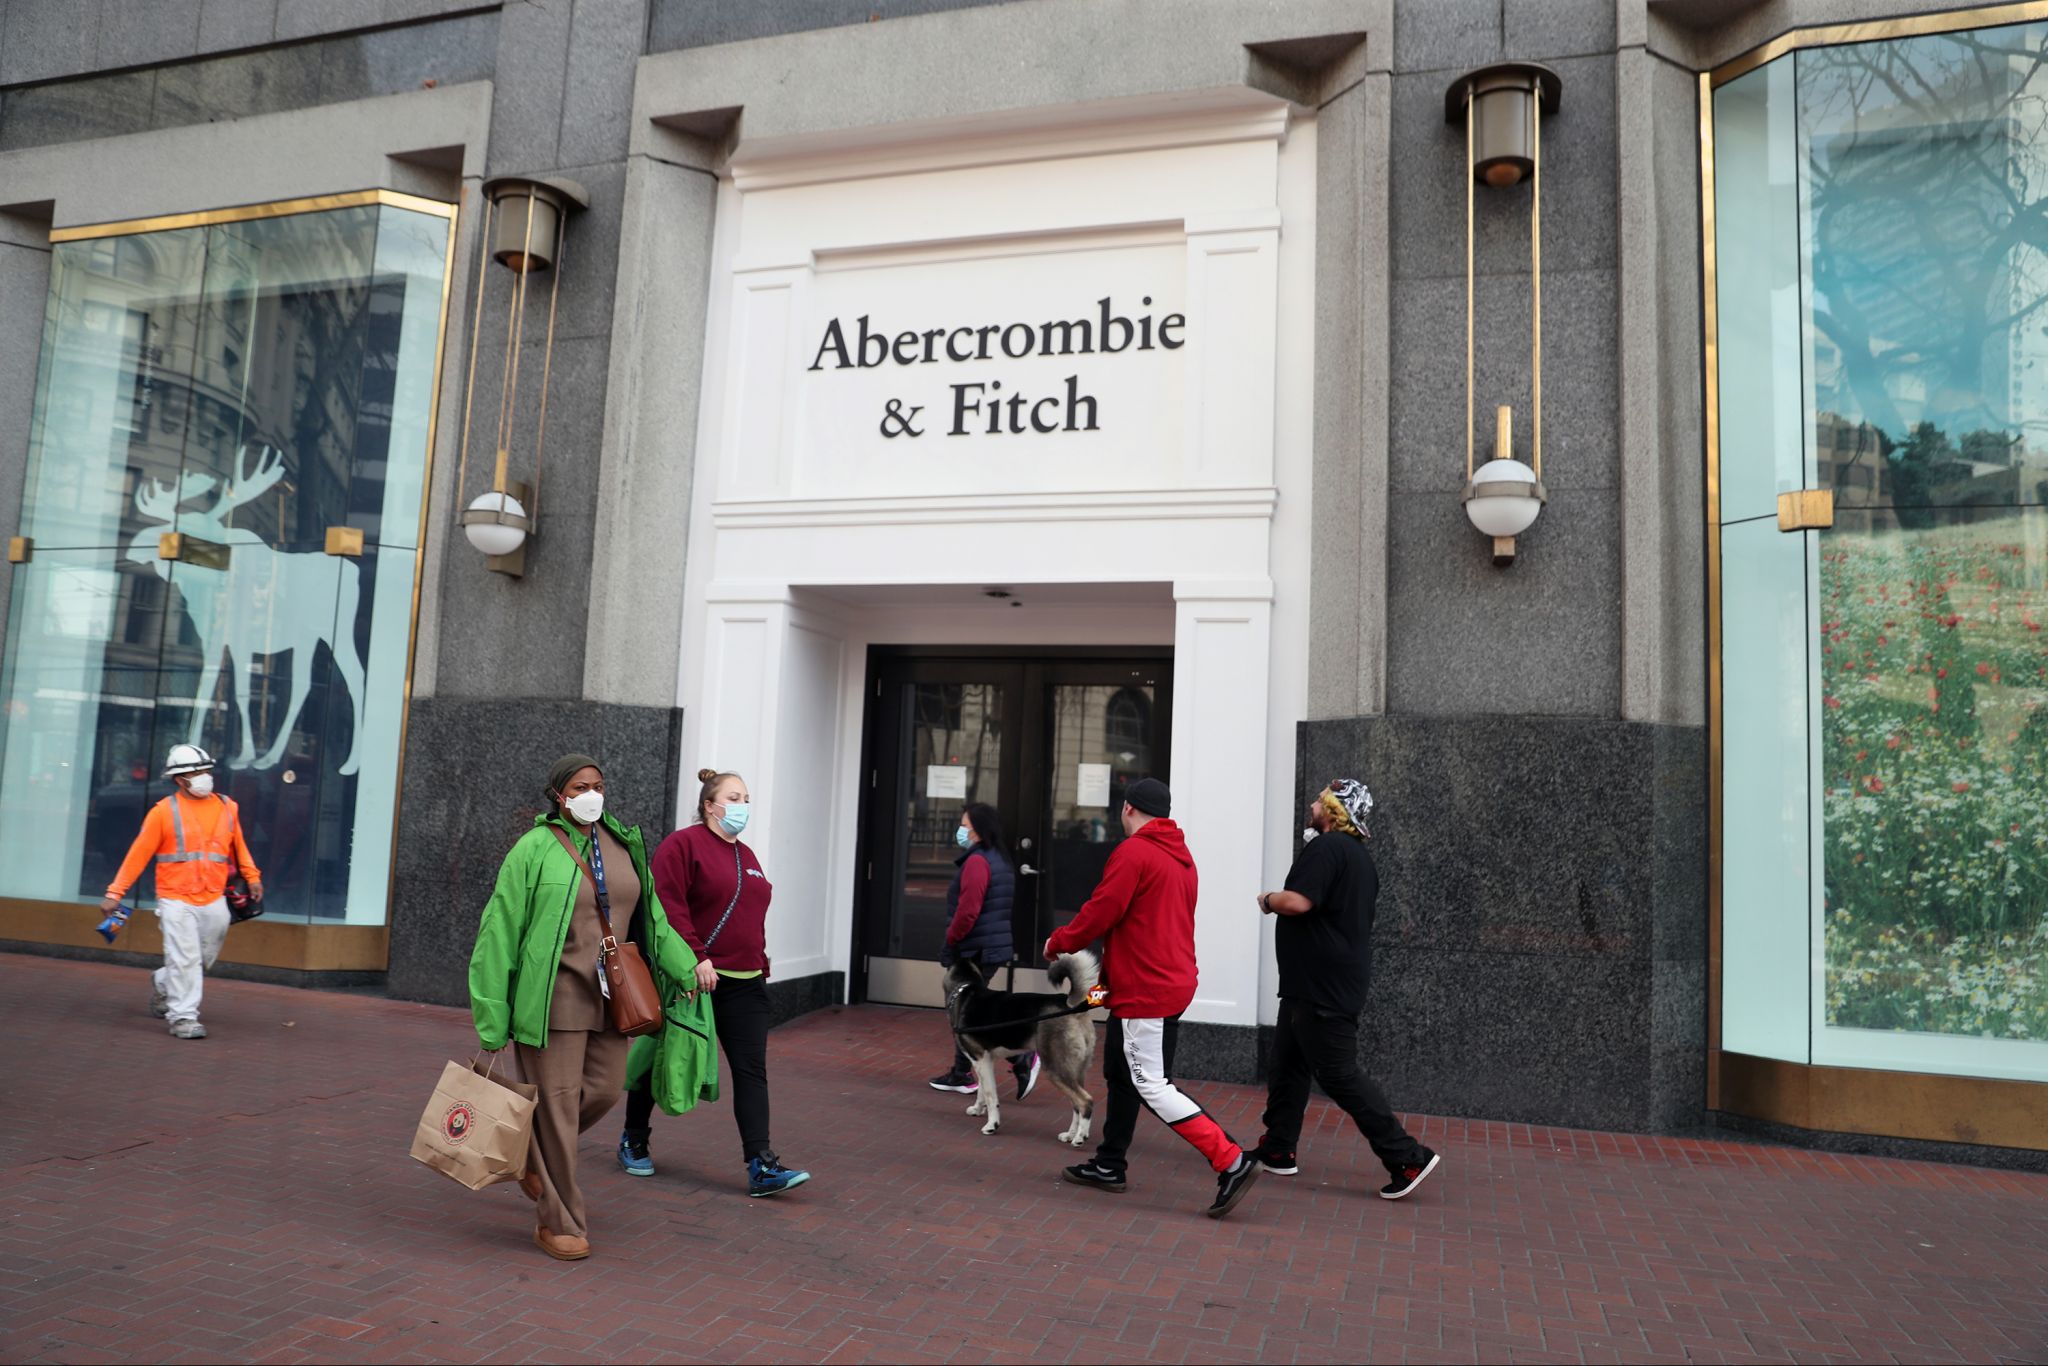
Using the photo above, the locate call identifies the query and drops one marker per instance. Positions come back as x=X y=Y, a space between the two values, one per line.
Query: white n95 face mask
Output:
x=586 y=807
x=202 y=785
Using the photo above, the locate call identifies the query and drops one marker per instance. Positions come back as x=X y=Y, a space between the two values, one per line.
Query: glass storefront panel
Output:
x=1918 y=750
x=248 y=385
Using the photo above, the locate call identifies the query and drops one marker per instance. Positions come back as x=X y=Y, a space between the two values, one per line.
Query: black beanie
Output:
x=1150 y=796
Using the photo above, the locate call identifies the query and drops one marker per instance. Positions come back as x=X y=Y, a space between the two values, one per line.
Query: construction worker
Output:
x=194 y=839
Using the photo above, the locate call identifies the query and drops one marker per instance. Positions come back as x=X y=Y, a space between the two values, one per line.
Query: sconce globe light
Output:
x=525 y=227
x=495 y=524
x=1502 y=108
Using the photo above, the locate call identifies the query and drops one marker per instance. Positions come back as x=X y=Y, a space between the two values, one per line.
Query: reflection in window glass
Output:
x=247 y=385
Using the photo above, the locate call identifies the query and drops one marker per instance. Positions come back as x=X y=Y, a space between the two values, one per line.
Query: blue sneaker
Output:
x=634 y=1157
x=767 y=1176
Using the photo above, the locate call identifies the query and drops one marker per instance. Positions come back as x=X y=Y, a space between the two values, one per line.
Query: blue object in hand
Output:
x=111 y=926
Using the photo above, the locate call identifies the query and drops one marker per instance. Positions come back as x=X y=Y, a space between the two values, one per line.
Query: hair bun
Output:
x=705 y=775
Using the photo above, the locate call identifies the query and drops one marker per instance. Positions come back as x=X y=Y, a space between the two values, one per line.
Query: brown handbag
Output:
x=633 y=1003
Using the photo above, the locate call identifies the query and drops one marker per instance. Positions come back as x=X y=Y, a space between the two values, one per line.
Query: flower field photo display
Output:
x=1934 y=766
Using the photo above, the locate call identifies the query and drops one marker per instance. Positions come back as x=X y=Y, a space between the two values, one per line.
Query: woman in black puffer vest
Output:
x=978 y=906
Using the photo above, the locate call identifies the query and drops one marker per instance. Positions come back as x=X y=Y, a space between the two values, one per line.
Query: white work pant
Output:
x=192 y=939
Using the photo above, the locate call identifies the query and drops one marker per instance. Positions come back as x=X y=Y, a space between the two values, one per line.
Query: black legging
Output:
x=739 y=1008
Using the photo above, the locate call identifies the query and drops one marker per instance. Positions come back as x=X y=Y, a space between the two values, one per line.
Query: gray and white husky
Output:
x=992 y=1024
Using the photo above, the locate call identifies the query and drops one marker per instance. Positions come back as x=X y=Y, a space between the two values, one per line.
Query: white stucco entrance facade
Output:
x=1067 y=353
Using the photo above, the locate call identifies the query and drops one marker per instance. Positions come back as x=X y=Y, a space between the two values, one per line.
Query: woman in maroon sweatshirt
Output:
x=716 y=897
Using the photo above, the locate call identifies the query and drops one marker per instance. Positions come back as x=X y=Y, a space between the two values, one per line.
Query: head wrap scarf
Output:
x=565 y=768
x=1348 y=803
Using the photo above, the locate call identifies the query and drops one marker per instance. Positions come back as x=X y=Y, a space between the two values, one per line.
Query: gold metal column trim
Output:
x=1711 y=401
x=186 y=548
x=1879 y=30
x=283 y=208
x=1806 y=510
x=20 y=549
x=344 y=540
x=1932 y=1107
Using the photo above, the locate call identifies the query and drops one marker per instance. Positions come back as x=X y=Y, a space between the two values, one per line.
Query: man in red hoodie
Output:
x=1144 y=912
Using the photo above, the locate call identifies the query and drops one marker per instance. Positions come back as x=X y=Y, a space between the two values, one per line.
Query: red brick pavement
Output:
x=250 y=1197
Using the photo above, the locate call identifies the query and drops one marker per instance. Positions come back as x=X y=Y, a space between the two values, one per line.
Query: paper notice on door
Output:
x=946 y=782
x=1092 y=785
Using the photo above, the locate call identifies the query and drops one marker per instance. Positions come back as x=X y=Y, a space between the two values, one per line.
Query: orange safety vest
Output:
x=194 y=870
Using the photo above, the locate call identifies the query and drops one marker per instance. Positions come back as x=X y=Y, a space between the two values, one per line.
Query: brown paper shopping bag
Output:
x=477 y=1126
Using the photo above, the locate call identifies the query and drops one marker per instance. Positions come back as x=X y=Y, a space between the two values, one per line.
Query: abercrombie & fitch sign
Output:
x=989 y=406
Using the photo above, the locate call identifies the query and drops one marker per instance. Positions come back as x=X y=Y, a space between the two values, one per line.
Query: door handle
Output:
x=1026 y=870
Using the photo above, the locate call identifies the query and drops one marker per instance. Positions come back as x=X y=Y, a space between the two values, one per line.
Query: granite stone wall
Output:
x=1541 y=939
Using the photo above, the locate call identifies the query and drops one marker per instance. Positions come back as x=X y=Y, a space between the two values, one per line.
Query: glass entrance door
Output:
x=1050 y=743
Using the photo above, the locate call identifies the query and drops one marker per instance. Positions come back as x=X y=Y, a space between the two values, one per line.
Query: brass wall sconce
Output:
x=525 y=226
x=1502 y=107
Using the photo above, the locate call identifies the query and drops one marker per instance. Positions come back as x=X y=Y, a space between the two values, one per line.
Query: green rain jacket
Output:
x=519 y=950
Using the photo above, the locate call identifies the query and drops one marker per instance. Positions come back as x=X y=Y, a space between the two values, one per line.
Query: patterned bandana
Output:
x=1349 y=803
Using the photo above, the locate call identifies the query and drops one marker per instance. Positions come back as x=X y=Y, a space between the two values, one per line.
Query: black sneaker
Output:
x=1408 y=1178
x=963 y=1082
x=1026 y=1069
x=1231 y=1185
x=1279 y=1161
x=1102 y=1178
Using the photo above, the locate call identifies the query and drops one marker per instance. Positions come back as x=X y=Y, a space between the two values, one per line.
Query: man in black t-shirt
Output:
x=1324 y=943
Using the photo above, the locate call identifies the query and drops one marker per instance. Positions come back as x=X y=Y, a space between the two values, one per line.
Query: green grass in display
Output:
x=1934 y=726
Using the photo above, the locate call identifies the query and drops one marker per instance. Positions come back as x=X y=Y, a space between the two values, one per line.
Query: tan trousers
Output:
x=579 y=1074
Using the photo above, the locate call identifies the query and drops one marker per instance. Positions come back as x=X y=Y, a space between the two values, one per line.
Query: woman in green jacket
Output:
x=533 y=980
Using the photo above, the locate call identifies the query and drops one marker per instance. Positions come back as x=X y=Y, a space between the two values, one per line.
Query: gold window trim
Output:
x=1897 y=1104
x=309 y=945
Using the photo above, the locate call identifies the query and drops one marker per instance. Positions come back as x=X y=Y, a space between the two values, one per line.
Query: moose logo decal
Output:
x=257 y=604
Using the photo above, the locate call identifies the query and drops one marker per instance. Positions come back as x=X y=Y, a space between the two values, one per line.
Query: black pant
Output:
x=1324 y=1044
x=1120 y=1124
x=740 y=1010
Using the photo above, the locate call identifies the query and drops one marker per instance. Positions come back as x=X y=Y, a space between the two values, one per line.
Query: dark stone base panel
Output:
x=1719 y=1124
x=241 y=972
x=1542 y=917
x=1219 y=1052
x=474 y=771
x=800 y=996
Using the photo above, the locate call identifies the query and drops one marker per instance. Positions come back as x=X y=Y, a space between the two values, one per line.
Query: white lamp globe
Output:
x=1493 y=508
x=493 y=538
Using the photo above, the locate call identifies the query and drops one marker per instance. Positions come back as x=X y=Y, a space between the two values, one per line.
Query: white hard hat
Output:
x=186 y=759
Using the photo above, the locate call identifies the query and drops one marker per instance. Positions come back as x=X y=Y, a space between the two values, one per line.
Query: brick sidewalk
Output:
x=250 y=1197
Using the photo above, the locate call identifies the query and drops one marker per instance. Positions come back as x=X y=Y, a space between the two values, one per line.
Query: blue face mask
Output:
x=962 y=838
x=735 y=818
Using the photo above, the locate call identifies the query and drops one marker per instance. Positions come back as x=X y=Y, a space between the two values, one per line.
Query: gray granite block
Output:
x=1544 y=30
x=311 y=18
x=225 y=25
x=1534 y=1037
x=265 y=82
x=529 y=88
x=799 y=996
x=677 y=24
x=1446 y=34
x=597 y=110
x=146 y=34
x=1540 y=637
x=1217 y=1052
x=394 y=61
x=1426 y=452
x=44 y=39
x=73 y=111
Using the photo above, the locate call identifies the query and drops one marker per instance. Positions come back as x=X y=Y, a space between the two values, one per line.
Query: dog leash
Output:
x=1028 y=1019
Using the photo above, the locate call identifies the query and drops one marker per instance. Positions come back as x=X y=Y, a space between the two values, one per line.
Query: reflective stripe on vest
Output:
x=178 y=830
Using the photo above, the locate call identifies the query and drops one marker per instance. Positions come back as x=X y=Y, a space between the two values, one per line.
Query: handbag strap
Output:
x=604 y=918
x=739 y=880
